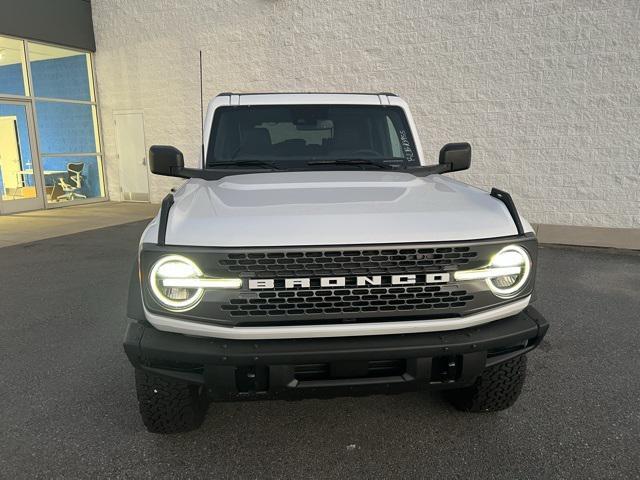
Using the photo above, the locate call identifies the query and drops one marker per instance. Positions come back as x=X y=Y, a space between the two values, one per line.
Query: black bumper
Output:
x=241 y=367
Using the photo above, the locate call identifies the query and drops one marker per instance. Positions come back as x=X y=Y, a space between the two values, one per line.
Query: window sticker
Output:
x=409 y=156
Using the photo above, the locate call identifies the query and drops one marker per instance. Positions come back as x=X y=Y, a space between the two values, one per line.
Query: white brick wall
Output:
x=548 y=93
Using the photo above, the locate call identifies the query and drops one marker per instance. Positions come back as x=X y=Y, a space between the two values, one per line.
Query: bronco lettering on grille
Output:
x=360 y=281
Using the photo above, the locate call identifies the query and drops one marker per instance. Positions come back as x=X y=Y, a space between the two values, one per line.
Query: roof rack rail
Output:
x=222 y=94
x=505 y=198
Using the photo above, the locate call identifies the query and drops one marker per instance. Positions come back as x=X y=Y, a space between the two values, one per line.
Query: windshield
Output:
x=294 y=135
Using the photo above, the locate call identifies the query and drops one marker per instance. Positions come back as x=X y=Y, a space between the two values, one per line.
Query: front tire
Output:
x=496 y=389
x=169 y=406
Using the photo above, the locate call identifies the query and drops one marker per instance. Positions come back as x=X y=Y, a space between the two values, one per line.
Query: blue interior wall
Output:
x=11 y=81
x=65 y=127
x=68 y=128
x=64 y=77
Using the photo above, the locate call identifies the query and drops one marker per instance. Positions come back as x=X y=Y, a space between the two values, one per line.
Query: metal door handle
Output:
x=144 y=160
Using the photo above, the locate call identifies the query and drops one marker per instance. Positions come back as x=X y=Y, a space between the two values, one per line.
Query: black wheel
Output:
x=497 y=388
x=169 y=406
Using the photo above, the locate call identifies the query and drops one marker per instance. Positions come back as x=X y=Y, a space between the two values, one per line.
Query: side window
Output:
x=396 y=148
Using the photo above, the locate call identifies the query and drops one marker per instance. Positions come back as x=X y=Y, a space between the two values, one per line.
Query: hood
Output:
x=331 y=208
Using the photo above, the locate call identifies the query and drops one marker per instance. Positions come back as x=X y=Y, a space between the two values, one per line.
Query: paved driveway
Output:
x=68 y=408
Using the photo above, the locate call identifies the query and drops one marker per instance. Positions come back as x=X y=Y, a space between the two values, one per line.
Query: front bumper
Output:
x=231 y=368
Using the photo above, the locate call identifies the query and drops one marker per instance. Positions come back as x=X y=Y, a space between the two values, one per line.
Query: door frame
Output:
x=146 y=155
x=27 y=204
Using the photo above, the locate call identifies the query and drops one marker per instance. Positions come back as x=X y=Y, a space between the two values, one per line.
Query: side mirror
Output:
x=166 y=160
x=456 y=155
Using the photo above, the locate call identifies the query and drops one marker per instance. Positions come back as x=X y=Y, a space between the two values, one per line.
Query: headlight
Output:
x=178 y=284
x=516 y=266
x=506 y=274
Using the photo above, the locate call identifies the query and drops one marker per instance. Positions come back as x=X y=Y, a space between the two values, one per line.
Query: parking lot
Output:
x=68 y=406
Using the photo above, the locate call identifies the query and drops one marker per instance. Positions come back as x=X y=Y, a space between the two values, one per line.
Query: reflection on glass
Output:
x=60 y=72
x=12 y=67
x=66 y=127
x=17 y=179
x=72 y=178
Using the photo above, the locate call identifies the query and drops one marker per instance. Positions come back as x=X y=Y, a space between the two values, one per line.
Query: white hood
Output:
x=331 y=208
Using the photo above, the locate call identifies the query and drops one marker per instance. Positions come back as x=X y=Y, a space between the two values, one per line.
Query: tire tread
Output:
x=169 y=406
x=496 y=389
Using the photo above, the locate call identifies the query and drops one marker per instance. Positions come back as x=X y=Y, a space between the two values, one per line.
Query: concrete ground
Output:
x=32 y=226
x=68 y=406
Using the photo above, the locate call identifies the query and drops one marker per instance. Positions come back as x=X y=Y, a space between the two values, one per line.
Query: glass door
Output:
x=21 y=185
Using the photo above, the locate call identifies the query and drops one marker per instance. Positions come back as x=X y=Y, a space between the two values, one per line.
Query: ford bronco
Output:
x=316 y=251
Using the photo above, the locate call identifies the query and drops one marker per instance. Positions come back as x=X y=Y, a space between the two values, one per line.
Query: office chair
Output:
x=74 y=182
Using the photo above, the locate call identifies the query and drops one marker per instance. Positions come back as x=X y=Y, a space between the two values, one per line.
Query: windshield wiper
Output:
x=245 y=163
x=351 y=161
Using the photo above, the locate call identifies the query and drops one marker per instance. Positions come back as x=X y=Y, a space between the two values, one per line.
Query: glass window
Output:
x=72 y=178
x=60 y=72
x=60 y=81
x=12 y=67
x=296 y=134
x=66 y=127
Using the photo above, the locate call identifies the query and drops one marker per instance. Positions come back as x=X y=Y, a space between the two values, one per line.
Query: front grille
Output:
x=369 y=300
x=349 y=301
x=345 y=262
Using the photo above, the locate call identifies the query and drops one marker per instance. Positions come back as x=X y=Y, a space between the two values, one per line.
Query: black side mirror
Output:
x=166 y=160
x=456 y=155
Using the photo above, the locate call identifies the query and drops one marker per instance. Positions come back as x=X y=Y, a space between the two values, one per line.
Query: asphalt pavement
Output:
x=68 y=407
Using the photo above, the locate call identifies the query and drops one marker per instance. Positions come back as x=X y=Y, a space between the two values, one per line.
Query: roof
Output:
x=307 y=98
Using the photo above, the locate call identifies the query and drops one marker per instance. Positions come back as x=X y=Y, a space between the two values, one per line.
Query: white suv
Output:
x=316 y=252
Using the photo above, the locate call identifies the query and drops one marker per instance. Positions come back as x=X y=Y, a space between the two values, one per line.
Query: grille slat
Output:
x=346 y=262
x=313 y=301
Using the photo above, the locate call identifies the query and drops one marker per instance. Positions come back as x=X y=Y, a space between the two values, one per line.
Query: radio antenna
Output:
x=201 y=111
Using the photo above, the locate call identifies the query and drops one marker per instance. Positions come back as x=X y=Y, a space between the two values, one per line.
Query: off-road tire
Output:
x=169 y=406
x=496 y=389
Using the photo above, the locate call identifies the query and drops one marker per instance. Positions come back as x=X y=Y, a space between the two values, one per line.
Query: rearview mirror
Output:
x=166 y=160
x=456 y=155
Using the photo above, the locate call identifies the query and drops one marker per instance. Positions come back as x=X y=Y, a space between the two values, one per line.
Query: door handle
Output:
x=144 y=160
